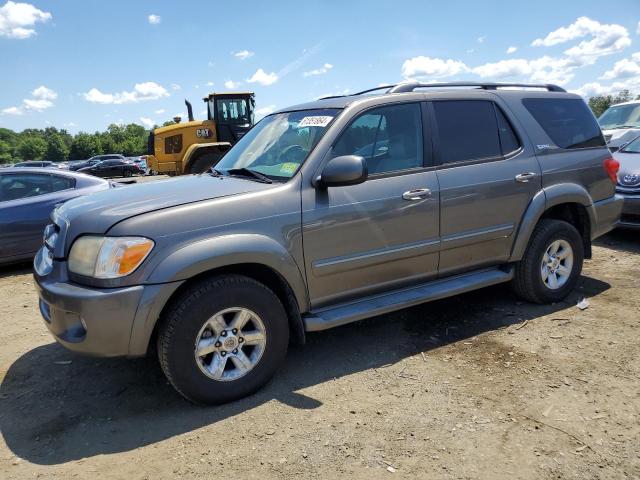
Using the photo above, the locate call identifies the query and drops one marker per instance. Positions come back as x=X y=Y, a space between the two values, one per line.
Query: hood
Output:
x=615 y=137
x=98 y=212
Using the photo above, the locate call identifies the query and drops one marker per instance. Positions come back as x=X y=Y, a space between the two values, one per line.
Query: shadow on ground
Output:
x=52 y=411
x=622 y=240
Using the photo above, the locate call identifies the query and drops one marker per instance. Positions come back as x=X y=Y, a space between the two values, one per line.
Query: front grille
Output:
x=628 y=218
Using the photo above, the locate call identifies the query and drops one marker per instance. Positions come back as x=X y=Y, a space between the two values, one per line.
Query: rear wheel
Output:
x=204 y=162
x=552 y=264
x=223 y=339
x=126 y=173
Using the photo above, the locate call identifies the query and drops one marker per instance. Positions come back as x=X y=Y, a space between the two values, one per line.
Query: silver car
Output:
x=328 y=213
x=629 y=183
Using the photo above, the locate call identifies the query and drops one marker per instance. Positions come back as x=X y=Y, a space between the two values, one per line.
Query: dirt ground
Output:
x=478 y=386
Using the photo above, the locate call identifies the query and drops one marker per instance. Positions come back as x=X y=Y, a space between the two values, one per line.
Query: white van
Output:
x=620 y=124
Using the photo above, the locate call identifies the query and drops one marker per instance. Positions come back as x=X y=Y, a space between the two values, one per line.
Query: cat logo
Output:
x=203 y=132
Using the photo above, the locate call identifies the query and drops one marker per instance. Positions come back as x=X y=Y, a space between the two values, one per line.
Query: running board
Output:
x=344 y=313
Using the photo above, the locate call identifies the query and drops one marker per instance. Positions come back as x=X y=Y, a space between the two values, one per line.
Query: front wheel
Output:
x=126 y=173
x=223 y=339
x=552 y=263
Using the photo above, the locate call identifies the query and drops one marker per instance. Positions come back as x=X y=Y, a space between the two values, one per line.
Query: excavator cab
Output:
x=232 y=113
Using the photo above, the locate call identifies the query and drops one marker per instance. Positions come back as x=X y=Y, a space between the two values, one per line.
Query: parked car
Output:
x=113 y=168
x=27 y=197
x=620 y=123
x=95 y=159
x=301 y=228
x=629 y=183
x=37 y=164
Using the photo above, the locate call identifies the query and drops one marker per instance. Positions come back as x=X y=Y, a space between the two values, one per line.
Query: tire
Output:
x=204 y=162
x=126 y=173
x=529 y=281
x=190 y=318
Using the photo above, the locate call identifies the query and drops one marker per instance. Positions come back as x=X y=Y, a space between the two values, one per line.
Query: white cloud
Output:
x=230 y=84
x=263 y=78
x=141 y=91
x=605 y=39
x=210 y=84
x=432 y=67
x=318 y=71
x=243 y=54
x=147 y=122
x=264 y=111
x=154 y=19
x=511 y=50
x=12 y=111
x=159 y=112
x=481 y=39
x=176 y=87
x=18 y=19
x=42 y=98
x=339 y=93
x=44 y=93
x=624 y=68
x=504 y=69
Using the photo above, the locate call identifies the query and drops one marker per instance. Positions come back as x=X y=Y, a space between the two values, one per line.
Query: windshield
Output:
x=279 y=144
x=234 y=111
x=621 y=116
x=632 y=147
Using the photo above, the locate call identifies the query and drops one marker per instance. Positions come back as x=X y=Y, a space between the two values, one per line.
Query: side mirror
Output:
x=342 y=171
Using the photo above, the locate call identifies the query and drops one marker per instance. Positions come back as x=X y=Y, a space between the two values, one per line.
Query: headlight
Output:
x=108 y=257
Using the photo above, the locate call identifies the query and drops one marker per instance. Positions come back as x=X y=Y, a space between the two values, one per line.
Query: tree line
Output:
x=59 y=145
x=131 y=140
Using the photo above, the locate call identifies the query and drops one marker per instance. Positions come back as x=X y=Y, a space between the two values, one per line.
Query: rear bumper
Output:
x=607 y=215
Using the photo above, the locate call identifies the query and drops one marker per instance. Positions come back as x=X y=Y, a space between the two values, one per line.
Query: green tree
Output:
x=32 y=148
x=84 y=146
x=5 y=152
x=600 y=103
x=57 y=150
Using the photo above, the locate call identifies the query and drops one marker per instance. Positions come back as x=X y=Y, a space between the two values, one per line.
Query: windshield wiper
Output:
x=214 y=172
x=247 y=172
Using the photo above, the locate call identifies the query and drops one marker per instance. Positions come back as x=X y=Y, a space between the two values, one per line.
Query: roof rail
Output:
x=410 y=87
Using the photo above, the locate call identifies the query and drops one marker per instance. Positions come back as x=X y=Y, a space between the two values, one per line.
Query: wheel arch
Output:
x=568 y=202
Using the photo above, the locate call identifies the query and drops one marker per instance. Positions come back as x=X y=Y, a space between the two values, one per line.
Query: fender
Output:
x=192 y=149
x=542 y=201
x=228 y=250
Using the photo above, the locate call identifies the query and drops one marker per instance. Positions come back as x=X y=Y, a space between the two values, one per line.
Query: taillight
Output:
x=611 y=166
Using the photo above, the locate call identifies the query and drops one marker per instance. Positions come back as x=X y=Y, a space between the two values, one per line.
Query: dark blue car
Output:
x=27 y=197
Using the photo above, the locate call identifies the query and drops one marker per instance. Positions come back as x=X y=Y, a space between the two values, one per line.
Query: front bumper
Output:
x=104 y=322
x=630 y=211
x=607 y=215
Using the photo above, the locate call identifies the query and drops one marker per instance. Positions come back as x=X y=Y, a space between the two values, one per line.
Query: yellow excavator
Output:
x=196 y=145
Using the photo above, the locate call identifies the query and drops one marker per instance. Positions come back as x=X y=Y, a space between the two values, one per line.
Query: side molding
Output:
x=545 y=199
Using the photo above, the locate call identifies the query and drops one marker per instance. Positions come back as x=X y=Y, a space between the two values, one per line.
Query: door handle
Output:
x=416 y=194
x=525 y=177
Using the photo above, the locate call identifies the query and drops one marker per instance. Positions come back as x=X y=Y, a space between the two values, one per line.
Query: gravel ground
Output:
x=477 y=386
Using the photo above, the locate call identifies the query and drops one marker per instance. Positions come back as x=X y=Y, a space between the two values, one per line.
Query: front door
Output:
x=383 y=233
x=487 y=176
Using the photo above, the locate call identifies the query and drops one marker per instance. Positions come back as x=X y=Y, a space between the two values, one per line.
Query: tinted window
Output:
x=568 y=121
x=467 y=130
x=173 y=144
x=389 y=138
x=13 y=187
x=508 y=140
x=61 y=183
x=233 y=110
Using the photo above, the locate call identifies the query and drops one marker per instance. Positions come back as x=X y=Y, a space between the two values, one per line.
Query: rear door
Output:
x=487 y=175
x=381 y=234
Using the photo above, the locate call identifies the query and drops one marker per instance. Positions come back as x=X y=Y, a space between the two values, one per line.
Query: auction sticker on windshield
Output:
x=315 y=121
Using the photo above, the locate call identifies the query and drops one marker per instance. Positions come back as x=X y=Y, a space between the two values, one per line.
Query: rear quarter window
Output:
x=567 y=121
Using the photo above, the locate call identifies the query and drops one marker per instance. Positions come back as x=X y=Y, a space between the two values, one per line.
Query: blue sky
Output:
x=82 y=65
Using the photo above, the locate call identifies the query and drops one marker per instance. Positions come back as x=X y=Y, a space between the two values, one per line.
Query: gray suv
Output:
x=328 y=213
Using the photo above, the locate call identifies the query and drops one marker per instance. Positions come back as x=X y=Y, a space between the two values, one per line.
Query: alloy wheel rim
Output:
x=557 y=264
x=230 y=344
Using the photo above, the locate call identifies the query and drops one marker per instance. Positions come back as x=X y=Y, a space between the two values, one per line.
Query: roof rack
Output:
x=411 y=86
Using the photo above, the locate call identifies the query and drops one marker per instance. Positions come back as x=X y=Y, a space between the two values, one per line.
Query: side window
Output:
x=467 y=130
x=173 y=144
x=568 y=121
x=389 y=138
x=14 y=187
x=509 y=142
x=61 y=183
